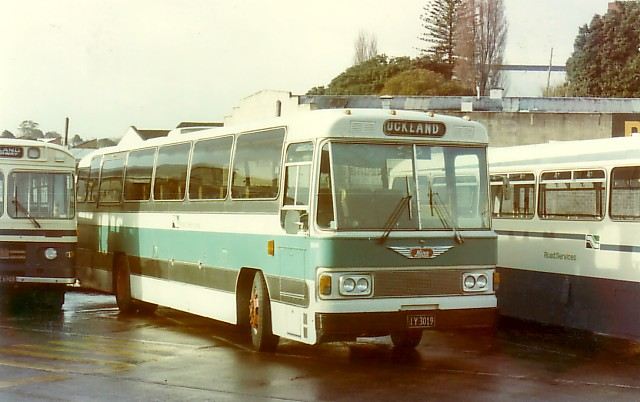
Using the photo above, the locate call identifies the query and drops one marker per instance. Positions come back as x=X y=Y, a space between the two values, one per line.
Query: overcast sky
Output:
x=110 y=64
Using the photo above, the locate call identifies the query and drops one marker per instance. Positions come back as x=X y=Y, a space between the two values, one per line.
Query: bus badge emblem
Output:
x=421 y=252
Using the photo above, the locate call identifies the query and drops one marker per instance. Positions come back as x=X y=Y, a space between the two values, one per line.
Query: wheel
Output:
x=126 y=304
x=123 y=286
x=52 y=299
x=408 y=339
x=260 y=316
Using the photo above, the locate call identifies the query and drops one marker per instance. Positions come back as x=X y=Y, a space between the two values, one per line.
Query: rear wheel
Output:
x=408 y=339
x=260 y=316
x=126 y=304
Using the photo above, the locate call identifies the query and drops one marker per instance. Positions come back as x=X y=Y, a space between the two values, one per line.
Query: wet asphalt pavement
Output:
x=91 y=352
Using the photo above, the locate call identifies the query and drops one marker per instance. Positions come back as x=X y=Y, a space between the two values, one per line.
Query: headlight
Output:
x=481 y=281
x=50 y=253
x=469 y=282
x=475 y=282
x=348 y=285
x=355 y=285
x=362 y=286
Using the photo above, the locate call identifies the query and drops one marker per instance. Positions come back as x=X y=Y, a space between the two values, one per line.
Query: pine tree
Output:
x=440 y=22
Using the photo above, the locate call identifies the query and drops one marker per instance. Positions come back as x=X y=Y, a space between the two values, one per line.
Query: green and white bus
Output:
x=321 y=226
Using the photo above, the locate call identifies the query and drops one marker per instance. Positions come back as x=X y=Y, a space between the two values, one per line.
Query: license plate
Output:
x=421 y=321
x=7 y=279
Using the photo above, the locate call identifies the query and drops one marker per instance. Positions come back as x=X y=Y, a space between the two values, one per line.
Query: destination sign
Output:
x=7 y=151
x=414 y=128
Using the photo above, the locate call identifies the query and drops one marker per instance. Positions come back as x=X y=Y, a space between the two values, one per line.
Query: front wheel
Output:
x=408 y=339
x=260 y=316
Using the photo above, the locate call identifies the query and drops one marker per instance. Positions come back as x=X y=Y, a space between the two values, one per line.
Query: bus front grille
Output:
x=417 y=283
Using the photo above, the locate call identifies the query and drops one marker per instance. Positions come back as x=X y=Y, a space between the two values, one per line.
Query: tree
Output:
x=28 y=129
x=481 y=39
x=7 y=134
x=606 y=57
x=421 y=82
x=366 y=47
x=366 y=78
x=76 y=140
x=440 y=21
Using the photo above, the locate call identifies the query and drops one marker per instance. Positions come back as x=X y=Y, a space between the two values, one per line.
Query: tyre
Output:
x=52 y=299
x=123 y=289
x=262 y=337
x=126 y=304
x=408 y=339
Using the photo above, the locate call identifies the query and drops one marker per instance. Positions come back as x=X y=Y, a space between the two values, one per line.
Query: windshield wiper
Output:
x=444 y=215
x=26 y=212
x=395 y=215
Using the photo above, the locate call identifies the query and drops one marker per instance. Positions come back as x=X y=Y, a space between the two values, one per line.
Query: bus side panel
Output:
x=592 y=304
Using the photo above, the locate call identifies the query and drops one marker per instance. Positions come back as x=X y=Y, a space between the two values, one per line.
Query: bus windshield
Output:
x=444 y=187
x=40 y=195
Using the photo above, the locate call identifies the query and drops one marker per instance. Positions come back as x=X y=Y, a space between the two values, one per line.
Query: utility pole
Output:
x=549 y=71
x=66 y=132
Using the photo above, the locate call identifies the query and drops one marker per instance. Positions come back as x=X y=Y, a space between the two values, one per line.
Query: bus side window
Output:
x=625 y=193
x=81 y=187
x=210 y=169
x=137 y=181
x=256 y=166
x=171 y=172
x=111 y=179
x=92 y=181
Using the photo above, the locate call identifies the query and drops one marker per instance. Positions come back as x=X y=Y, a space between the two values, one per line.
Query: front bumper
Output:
x=332 y=327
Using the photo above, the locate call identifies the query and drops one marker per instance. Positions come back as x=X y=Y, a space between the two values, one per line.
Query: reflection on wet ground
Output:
x=176 y=356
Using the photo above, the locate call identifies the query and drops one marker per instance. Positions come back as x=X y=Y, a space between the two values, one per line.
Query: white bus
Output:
x=309 y=227
x=567 y=216
x=37 y=222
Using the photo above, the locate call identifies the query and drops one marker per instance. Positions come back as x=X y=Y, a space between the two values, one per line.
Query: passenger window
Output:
x=111 y=179
x=171 y=172
x=625 y=193
x=578 y=194
x=256 y=166
x=92 y=182
x=513 y=195
x=81 y=187
x=210 y=169
x=137 y=182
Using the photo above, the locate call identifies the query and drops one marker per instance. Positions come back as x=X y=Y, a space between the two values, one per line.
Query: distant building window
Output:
x=171 y=172
x=137 y=182
x=210 y=169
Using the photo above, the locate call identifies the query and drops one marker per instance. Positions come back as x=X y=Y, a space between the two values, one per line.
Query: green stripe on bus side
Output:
x=233 y=251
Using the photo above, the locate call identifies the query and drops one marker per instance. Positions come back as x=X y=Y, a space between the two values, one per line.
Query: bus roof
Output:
x=17 y=150
x=335 y=123
x=569 y=153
